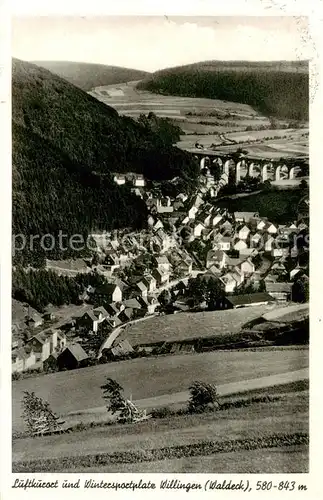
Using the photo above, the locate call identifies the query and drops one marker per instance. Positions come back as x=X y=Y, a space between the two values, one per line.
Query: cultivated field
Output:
x=150 y=377
x=204 y=120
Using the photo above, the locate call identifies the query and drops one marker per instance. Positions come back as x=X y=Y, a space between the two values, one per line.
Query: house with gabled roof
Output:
x=161 y=276
x=150 y=282
x=23 y=359
x=240 y=245
x=142 y=288
x=217 y=258
x=250 y=299
x=73 y=356
x=243 y=232
x=228 y=282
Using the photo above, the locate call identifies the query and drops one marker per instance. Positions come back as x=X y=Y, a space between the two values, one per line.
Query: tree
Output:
x=303 y=185
x=126 y=410
x=202 y=396
x=37 y=414
x=112 y=391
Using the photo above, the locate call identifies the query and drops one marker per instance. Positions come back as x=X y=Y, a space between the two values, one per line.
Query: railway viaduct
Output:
x=248 y=166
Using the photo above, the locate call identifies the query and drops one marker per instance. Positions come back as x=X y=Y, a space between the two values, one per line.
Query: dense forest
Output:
x=278 y=90
x=66 y=145
x=89 y=75
x=41 y=287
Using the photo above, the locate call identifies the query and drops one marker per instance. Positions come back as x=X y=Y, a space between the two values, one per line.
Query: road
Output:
x=223 y=390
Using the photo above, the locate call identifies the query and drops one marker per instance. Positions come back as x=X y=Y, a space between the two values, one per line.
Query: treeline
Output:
x=40 y=287
x=281 y=94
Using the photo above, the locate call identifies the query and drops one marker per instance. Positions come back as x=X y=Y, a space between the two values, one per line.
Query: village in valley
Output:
x=160 y=246
x=193 y=256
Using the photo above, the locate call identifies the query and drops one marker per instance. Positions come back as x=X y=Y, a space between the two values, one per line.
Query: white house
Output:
x=247 y=267
x=240 y=245
x=215 y=219
x=119 y=179
x=150 y=283
x=197 y=229
x=225 y=243
x=269 y=244
x=192 y=212
x=271 y=228
x=243 y=232
x=261 y=225
x=228 y=282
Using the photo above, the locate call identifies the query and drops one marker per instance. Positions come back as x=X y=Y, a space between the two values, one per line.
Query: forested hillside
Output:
x=87 y=75
x=277 y=89
x=66 y=144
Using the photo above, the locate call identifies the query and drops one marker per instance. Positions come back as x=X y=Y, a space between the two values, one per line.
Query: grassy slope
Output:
x=285 y=416
x=87 y=75
x=276 y=89
x=148 y=377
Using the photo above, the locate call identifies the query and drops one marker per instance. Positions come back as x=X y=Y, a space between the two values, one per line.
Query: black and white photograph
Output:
x=160 y=245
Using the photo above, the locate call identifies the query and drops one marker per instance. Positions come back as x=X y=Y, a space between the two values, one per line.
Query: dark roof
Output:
x=77 y=352
x=252 y=298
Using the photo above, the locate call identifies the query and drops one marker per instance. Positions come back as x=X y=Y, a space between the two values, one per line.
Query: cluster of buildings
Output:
x=185 y=237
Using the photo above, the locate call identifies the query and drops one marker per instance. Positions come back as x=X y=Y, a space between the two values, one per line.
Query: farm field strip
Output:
x=151 y=377
x=289 y=459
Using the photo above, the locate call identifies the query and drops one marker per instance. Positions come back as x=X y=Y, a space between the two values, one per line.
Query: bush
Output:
x=202 y=396
x=162 y=412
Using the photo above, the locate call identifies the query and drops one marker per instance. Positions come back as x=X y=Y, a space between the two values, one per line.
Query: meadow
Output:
x=275 y=424
x=79 y=390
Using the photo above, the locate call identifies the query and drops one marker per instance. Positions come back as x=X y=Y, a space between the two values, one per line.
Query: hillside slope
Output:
x=87 y=76
x=66 y=144
x=278 y=89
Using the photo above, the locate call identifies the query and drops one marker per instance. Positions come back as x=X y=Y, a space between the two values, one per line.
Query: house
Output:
x=237 y=275
x=256 y=240
x=215 y=220
x=247 y=267
x=142 y=289
x=252 y=299
x=33 y=320
x=243 y=233
x=197 y=229
x=245 y=216
x=261 y=225
x=148 y=304
x=92 y=318
x=139 y=180
x=114 y=308
x=162 y=263
x=228 y=282
x=73 y=356
x=184 y=266
x=217 y=258
x=50 y=364
x=269 y=244
x=119 y=179
x=41 y=346
x=150 y=283
x=23 y=359
x=125 y=315
x=157 y=225
x=192 y=212
x=123 y=348
x=224 y=243
x=226 y=227
x=240 y=245
x=132 y=303
x=161 y=276
x=109 y=292
x=271 y=228
x=279 y=291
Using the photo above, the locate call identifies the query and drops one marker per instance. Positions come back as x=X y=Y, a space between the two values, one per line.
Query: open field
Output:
x=78 y=390
x=187 y=326
x=285 y=416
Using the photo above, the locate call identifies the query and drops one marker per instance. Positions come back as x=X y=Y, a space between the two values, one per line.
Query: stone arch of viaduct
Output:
x=250 y=167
